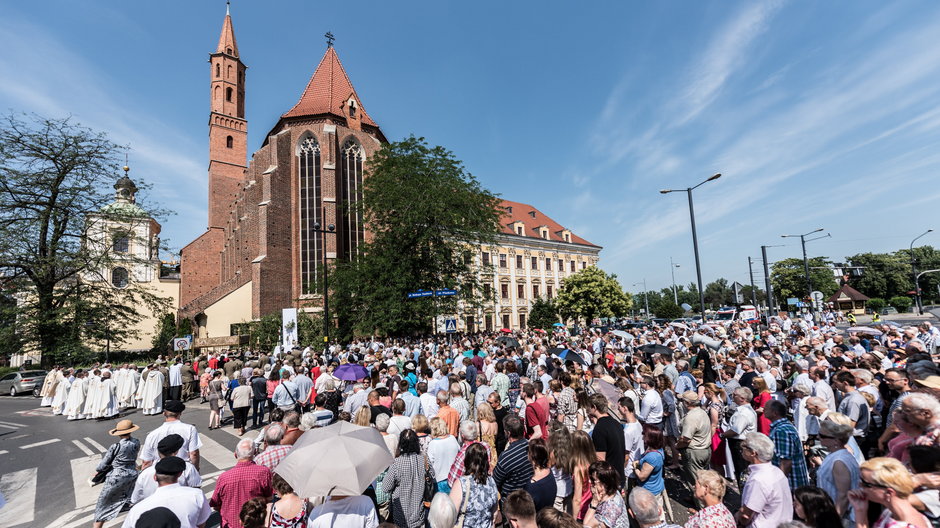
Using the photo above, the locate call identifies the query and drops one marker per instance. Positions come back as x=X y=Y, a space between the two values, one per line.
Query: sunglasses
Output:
x=866 y=484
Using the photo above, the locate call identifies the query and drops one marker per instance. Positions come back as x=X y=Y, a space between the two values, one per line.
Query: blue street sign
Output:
x=420 y=293
x=450 y=326
x=445 y=293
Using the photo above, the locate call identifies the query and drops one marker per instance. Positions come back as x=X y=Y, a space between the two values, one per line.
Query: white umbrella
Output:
x=620 y=333
x=340 y=459
x=679 y=325
x=863 y=330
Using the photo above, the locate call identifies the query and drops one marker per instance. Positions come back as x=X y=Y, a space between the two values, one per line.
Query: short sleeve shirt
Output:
x=856 y=408
x=697 y=427
x=191 y=440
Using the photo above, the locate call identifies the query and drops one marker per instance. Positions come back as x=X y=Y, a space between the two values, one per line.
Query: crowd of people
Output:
x=806 y=424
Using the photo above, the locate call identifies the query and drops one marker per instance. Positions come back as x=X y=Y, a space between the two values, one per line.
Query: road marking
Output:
x=88 y=452
x=216 y=454
x=8 y=426
x=19 y=488
x=95 y=444
x=3 y=452
x=83 y=469
x=37 y=444
x=12 y=425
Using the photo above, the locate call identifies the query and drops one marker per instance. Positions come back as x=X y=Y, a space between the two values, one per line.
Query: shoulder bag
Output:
x=464 y=493
x=430 y=485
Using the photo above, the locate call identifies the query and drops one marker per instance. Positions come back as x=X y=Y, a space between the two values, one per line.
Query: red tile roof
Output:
x=227 y=38
x=850 y=292
x=533 y=219
x=327 y=92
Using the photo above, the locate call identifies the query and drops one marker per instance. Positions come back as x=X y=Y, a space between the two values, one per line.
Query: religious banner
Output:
x=288 y=328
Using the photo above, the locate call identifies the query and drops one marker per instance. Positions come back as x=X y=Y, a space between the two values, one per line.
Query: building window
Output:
x=535 y=263
x=311 y=242
x=521 y=320
x=548 y=291
x=504 y=290
x=561 y=265
x=487 y=291
x=229 y=142
x=228 y=94
x=218 y=70
x=502 y=260
x=352 y=108
x=486 y=258
x=488 y=323
x=583 y=265
x=520 y=291
x=119 y=277
x=535 y=291
x=519 y=261
x=351 y=195
x=519 y=229
x=572 y=266
x=548 y=264
x=121 y=244
x=505 y=320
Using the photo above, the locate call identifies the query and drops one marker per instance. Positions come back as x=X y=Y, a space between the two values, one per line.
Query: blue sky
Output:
x=818 y=114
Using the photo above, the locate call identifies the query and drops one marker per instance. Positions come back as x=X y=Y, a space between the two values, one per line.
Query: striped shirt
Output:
x=513 y=470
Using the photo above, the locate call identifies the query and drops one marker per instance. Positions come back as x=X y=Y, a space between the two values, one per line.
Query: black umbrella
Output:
x=567 y=355
x=655 y=348
x=508 y=341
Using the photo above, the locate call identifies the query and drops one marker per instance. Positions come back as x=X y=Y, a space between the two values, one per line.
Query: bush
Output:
x=902 y=304
x=668 y=310
x=876 y=304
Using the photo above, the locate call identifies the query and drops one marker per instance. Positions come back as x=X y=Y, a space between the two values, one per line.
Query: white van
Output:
x=745 y=313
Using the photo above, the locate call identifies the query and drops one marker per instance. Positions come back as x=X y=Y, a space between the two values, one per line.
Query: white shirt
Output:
x=176 y=376
x=821 y=389
x=191 y=440
x=651 y=408
x=744 y=420
x=429 y=404
x=146 y=485
x=349 y=512
x=633 y=443
x=188 y=504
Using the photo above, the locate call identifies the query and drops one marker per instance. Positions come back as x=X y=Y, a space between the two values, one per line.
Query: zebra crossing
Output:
x=25 y=508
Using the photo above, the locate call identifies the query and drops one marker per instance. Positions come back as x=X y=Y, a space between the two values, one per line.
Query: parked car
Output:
x=889 y=310
x=22 y=382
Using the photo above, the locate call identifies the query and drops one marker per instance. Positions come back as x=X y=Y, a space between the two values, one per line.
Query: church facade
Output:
x=269 y=218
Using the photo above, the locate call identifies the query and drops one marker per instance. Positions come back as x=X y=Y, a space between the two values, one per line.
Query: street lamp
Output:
x=920 y=308
x=330 y=229
x=672 y=268
x=698 y=264
x=646 y=300
x=809 y=284
x=767 y=286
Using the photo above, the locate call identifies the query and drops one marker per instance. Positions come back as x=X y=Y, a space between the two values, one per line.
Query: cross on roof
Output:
x=329 y=39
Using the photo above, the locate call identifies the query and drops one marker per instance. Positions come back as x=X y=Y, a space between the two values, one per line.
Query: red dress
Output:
x=763 y=424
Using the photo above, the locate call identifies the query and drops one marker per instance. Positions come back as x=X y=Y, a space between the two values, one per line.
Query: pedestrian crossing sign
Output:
x=450 y=326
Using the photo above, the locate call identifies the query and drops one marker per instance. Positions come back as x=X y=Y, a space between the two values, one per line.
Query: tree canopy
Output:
x=887 y=275
x=591 y=293
x=427 y=217
x=788 y=278
x=543 y=314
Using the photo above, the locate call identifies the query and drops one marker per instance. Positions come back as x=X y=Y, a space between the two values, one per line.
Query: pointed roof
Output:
x=848 y=292
x=533 y=219
x=327 y=92
x=227 y=38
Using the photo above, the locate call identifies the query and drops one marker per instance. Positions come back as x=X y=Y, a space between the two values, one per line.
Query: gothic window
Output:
x=352 y=232
x=218 y=70
x=228 y=94
x=311 y=242
x=228 y=73
x=120 y=243
x=229 y=142
x=352 y=108
x=119 y=277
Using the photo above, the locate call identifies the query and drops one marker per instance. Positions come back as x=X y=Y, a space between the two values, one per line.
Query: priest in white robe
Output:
x=48 y=387
x=92 y=383
x=106 y=405
x=152 y=395
x=61 y=393
x=128 y=388
x=139 y=392
x=75 y=404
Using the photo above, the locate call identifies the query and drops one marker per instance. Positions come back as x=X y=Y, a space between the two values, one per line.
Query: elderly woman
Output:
x=766 y=498
x=404 y=481
x=710 y=490
x=121 y=457
x=887 y=482
x=923 y=410
x=607 y=506
x=441 y=452
x=839 y=472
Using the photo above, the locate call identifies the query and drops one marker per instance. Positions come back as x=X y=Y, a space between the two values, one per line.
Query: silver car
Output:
x=22 y=382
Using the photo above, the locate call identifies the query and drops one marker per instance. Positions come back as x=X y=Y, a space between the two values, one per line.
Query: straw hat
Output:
x=123 y=427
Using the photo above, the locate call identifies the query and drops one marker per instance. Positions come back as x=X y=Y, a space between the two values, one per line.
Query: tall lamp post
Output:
x=918 y=303
x=672 y=269
x=698 y=264
x=803 y=241
x=767 y=285
x=330 y=230
x=646 y=300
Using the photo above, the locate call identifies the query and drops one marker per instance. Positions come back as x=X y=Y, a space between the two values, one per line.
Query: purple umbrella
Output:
x=351 y=372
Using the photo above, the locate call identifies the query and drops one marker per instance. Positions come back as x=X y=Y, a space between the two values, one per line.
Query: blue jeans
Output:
x=257 y=412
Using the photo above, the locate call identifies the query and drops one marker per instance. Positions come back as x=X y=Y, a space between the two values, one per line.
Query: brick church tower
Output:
x=261 y=252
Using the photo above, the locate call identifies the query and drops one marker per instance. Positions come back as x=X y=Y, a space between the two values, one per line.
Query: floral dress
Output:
x=478 y=502
x=717 y=516
x=514 y=388
x=612 y=513
x=297 y=521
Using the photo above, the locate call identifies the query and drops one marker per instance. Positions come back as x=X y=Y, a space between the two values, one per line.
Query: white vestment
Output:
x=152 y=395
x=75 y=405
x=91 y=395
x=106 y=399
x=49 y=387
x=127 y=388
x=61 y=396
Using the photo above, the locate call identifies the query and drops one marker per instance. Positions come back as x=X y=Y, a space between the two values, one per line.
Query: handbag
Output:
x=430 y=485
x=464 y=493
x=297 y=406
x=101 y=476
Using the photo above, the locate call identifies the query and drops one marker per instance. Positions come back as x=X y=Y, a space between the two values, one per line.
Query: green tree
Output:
x=901 y=303
x=591 y=293
x=883 y=275
x=876 y=304
x=164 y=333
x=718 y=293
x=265 y=333
x=543 y=314
x=669 y=310
x=428 y=216
x=309 y=329
x=789 y=279
x=56 y=181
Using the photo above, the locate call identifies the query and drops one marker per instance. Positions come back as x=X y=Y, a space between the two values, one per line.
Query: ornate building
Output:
x=262 y=248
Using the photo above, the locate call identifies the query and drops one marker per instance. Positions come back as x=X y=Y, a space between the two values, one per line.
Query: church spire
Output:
x=227 y=42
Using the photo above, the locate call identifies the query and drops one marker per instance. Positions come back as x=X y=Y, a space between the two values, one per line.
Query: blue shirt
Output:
x=283 y=392
x=654 y=484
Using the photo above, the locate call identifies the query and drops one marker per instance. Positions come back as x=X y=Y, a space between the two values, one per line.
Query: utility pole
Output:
x=675 y=293
x=917 y=301
x=803 y=241
x=750 y=269
x=767 y=287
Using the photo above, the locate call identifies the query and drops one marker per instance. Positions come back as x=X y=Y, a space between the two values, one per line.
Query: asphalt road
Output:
x=46 y=461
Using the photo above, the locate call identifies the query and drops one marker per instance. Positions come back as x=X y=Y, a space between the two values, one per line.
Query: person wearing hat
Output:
x=189 y=505
x=146 y=485
x=172 y=425
x=695 y=437
x=122 y=459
